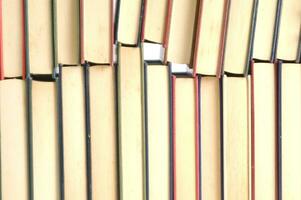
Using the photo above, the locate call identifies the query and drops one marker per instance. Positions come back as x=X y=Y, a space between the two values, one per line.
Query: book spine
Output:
x=81 y=31
x=252 y=133
x=276 y=30
x=1 y=45
x=26 y=65
x=143 y=20
x=167 y=29
x=279 y=131
x=221 y=108
x=112 y=32
x=171 y=128
x=146 y=133
x=173 y=83
x=198 y=137
x=222 y=42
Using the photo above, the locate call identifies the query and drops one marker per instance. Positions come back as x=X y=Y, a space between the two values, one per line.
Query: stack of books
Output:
x=150 y=99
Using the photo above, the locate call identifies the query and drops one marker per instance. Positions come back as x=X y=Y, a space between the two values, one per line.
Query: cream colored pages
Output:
x=97 y=30
x=291 y=126
x=40 y=36
x=181 y=35
x=265 y=130
x=45 y=141
x=14 y=166
x=210 y=139
x=129 y=20
x=74 y=133
x=158 y=131
x=68 y=31
x=237 y=41
x=130 y=127
x=264 y=31
x=155 y=20
x=209 y=38
x=12 y=37
x=289 y=30
x=185 y=139
x=236 y=135
x=103 y=133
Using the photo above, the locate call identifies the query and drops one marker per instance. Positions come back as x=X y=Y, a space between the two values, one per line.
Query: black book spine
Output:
x=279 y=130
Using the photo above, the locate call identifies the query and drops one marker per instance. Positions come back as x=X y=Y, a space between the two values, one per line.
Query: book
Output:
x=289 y=30
x=45 y=143
x=130 y=123
x=264 y=129
x=66 y=31
x=185 y=138
x=128 y=21
x=180 y=31
x=289 y=96
x=236 y=138
x=97 y=31
x=103 y=132
x=266 y=31
x=240 y=35
x=12 y=63
x=158 y=131
x=39 y=37
x=14 y=146
x=154 y=21
x=74 y=133
x=210 y=138
x=210 y=37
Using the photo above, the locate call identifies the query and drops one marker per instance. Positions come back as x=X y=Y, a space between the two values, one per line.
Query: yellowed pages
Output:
x=158 y=131
x=181 y=35
x=185 y=139
x=210 y=138
x=14 y=160
x=130 y=127
x=236 y=136
x=103 y=133
x=74 y=133
x=129 y=19
x=264 y=31
x=237 y=41
x=265 y=130
x=291 y=126
x=155 y=20
x=289 y=30
x=68 y=31
x=12 y=37
x=45 y=141
x=40 y=36
x=209 y=38
x=97 y=30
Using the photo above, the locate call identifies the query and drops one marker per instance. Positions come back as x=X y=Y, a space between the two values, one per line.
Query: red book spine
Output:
x=1 y=44
x=197 y=138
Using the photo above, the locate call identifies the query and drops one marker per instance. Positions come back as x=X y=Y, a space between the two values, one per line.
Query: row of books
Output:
x=137 y=131
x=211 y=37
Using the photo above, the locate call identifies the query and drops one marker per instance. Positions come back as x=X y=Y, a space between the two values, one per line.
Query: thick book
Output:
x=14 y=143
x=264 y=130
x=180 y=31
x=66 y=31
x=96 y=29
x=128 y=21
x=289 y=162
x=289 y=30
x=210 y=37
x=236 y=138
x=185 y=138
x=266 y=30
x=154 y=21
x=240 y=36
x=158 y=131
x=12 y=63
x=39 y=36
x=104 y=168
x=45 y=140
x=210 y=138
x=74 y=132
x=130 y=123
